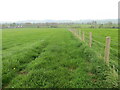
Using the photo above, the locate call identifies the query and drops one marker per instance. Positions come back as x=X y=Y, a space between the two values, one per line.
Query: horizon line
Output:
x=55 y=20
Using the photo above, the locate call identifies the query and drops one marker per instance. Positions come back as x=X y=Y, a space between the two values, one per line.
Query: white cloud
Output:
x=15 y=10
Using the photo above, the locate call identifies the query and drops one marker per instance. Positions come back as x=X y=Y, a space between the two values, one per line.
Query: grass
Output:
x=99 y=37
x=51 y=58
x=0 y=58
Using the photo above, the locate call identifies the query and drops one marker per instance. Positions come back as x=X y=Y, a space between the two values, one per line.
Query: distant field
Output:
x=52 y=58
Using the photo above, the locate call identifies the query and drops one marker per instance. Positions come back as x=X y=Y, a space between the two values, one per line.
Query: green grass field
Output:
x=51 y=58
x=1 y=58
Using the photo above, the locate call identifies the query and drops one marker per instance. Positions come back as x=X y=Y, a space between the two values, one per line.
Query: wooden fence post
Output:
x=75 y=31
x=83 y=36
x=107 y=50
x=90 y=40
x=78 y=32
x=80 y=35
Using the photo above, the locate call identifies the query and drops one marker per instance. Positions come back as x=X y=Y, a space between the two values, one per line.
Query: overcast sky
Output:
x=17 y=10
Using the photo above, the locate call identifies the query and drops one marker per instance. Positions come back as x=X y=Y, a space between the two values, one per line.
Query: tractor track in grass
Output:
x=37 y=50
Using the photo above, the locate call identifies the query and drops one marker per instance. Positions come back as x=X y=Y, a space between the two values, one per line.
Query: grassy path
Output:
x=55 y=59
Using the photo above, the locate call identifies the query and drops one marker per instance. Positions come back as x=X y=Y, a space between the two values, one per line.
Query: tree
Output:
x=94 y=22
x=101 y=26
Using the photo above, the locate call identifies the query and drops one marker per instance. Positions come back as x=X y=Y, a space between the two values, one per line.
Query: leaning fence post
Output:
x=107 y=50
x=90 y=40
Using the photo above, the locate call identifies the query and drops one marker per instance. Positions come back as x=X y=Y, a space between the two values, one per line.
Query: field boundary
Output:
x=107 y=47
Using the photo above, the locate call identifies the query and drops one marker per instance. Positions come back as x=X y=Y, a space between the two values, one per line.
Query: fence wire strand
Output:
x=100 y=45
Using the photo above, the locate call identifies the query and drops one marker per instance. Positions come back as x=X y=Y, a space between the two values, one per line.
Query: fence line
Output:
x=107 y=50
x=90 y=39
x=90 y=42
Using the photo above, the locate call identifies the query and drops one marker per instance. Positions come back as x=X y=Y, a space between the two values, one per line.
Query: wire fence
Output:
x=107 y=50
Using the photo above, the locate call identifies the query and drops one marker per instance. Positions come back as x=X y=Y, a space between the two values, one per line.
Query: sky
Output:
x=18 y=10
